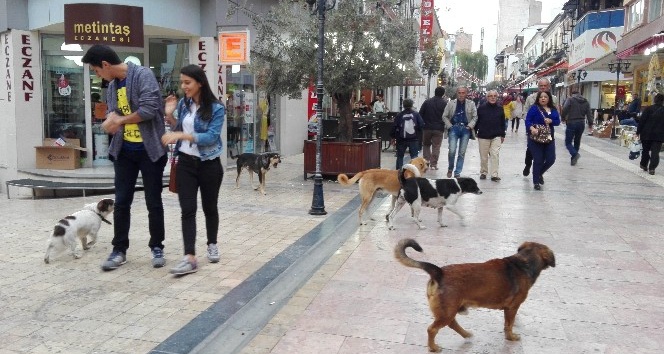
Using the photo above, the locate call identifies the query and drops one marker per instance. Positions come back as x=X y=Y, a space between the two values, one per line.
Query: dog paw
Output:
x=512 y=336
x=46 y=260
x=86 y=247
x=435 y=349
x=363 y=222
x=390 y=227
x=443 y=225
x=77 y=255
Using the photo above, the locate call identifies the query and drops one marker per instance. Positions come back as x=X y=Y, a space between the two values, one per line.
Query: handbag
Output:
x=543 y=135
x=172 y=181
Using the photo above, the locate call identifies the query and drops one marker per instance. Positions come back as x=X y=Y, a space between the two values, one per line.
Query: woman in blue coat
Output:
x=544 y=155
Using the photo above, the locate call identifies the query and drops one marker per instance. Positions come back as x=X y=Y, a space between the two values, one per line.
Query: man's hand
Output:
x=112 y=123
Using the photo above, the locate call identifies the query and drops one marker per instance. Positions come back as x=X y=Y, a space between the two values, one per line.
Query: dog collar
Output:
x=103 y=219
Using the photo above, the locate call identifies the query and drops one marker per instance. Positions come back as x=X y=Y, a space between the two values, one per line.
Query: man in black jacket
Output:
x=490 y=130
x=576 y=113
x=651 y=133
x=434 y=127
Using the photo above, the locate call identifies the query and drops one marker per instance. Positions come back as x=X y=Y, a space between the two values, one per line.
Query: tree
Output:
x=363 y=49
x=476 y=64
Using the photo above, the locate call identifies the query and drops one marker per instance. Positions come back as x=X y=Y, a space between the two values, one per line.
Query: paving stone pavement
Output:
x=602 y=218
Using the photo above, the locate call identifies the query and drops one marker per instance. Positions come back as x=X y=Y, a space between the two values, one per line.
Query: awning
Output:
x=639 y=48
x=530 y=78
x=559 y=65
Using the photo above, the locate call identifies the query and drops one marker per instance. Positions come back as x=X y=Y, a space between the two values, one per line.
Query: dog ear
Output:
x=548 y=257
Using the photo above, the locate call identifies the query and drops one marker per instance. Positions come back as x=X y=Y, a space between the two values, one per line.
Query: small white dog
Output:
x=80 y=225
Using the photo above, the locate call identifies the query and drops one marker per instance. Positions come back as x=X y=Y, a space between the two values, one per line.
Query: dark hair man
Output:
x=434 y=127
x=576 y=113
x=135 y=118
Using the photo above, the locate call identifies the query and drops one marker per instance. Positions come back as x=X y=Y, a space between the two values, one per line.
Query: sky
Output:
x=474 y=14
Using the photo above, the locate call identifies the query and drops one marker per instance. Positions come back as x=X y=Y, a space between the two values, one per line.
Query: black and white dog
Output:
x=256 y=163
x=433 y=193
x=79 y=225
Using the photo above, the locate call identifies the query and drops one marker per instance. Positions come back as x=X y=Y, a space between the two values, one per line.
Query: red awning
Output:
x=559 y=65
x=642 y=46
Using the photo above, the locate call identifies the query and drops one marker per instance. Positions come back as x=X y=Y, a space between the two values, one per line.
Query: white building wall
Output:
x=293 y=116
x=513 y=16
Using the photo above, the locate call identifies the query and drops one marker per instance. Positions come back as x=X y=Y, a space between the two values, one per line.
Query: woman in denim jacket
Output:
x=197 y=135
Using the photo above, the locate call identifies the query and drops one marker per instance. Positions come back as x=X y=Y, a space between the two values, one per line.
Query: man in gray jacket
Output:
x=135 y=118
x=576 y=113
x=460 y=117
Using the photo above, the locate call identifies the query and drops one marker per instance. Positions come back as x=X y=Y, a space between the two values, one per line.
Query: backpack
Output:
x=407 y=131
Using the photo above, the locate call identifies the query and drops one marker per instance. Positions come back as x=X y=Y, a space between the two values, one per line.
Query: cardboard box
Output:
x=52 y=156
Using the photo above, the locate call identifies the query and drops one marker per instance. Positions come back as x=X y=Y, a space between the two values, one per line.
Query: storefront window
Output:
x=655 y=10
x=240 y=108
x=167 y=56
x=64 y=91
x=635 y=15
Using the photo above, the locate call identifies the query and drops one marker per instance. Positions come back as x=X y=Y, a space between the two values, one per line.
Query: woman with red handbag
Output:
x=542 y=116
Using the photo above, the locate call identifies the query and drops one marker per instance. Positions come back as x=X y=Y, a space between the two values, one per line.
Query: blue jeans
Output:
x=458 y=137
x=413 y=148
x=127 y=165
x=573 y=133
x=544 y=156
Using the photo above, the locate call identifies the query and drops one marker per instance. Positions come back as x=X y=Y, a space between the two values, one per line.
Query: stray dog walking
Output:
x=433 y=193
x=499 y=284
x=256 y=163
x=80 y=225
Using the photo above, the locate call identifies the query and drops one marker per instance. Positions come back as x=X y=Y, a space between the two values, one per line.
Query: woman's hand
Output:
x=533 y=130
x=548 y=120
x=172 y=137
x=171 y=103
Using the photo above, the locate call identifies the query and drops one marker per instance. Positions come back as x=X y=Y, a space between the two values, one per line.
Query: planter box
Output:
x=342 y=157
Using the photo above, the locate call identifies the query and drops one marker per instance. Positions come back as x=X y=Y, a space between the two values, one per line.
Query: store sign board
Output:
x=116 y=25
x=234 y=47
x=593 y=44
x=413 y=81
x=426 y=23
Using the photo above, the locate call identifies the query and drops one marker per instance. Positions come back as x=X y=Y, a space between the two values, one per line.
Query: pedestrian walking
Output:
x=575 y=114
x=434 y=127
x=135 y=118
x=518 y=113
x=407 y=126
x=490 y=135
x=507 y=108
x=197 y=138
x=651 y=133
x=544 y=154
x=460 y=117
x=543 y=85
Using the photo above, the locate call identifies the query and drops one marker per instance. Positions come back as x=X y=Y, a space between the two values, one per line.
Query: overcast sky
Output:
x=474 y=14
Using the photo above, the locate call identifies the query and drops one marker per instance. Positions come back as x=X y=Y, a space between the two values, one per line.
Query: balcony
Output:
x=598 y=20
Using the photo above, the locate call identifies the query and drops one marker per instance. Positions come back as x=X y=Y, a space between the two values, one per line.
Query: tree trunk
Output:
x=345 y=115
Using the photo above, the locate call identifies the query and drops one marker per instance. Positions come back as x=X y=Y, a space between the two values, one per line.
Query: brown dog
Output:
x=375 y=179
x=500 y=284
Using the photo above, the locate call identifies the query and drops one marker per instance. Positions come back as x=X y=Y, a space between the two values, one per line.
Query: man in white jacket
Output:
x=460 y=117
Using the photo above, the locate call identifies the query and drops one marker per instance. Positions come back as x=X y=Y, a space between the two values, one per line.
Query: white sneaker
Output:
x=213 y=253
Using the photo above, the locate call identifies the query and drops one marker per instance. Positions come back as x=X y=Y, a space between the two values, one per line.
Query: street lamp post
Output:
x=619 y=66
x=318 y=201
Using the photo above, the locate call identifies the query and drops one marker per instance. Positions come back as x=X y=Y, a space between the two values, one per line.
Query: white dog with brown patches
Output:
x=81 y=225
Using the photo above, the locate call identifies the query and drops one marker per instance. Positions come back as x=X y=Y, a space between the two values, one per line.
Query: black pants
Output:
x=529 y=158
x=192 y=174
x=650 y=154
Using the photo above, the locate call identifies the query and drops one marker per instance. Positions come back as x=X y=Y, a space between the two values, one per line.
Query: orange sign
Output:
x=234 y=47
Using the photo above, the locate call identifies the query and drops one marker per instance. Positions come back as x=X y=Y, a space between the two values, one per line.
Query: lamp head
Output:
x=611 y=67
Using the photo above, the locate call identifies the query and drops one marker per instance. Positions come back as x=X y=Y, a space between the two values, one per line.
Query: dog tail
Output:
x=344 y=180
x=400 y=254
